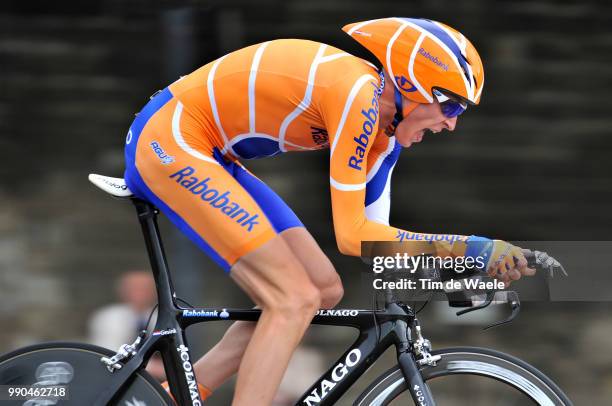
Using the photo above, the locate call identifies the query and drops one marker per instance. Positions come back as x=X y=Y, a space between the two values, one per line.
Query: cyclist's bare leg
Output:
x=278 y=283
x=223 y=360
x=319 y=267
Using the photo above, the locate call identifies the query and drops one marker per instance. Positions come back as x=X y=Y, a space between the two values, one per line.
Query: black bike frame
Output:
x=378 y=330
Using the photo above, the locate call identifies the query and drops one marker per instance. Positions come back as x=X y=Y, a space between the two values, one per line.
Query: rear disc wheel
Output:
x=78 y=367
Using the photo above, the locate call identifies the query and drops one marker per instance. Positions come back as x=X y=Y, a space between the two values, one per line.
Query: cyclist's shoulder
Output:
x=354 y=82
x=346 y=76
x=322 y=57
x=290 y=57
x=327 y=62
x=345 y=69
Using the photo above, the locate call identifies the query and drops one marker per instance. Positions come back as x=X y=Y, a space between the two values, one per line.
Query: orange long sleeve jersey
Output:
x=297 y=95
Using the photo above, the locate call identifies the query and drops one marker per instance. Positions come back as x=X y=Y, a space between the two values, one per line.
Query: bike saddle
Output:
x=113 y=186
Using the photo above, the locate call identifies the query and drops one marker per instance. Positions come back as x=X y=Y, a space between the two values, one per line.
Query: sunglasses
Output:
x=450 y=106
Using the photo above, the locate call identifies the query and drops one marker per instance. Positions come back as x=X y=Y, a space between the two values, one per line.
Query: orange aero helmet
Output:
x=422 y=55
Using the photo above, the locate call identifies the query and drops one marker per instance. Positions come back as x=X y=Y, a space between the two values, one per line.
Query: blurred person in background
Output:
x=119 y=323
x=183 y=154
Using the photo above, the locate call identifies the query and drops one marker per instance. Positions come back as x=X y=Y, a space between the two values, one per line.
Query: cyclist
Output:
x=183 y=154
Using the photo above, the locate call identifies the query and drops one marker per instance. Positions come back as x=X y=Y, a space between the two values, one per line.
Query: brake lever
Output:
x=515 y=306
x=487 y=302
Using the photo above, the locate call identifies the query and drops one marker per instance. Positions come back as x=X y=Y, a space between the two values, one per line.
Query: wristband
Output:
x=479 y=247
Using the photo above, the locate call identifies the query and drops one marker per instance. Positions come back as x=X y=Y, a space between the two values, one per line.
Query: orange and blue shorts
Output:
x=215 y=201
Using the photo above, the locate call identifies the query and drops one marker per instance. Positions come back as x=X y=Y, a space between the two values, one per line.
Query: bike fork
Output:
x=419 y=390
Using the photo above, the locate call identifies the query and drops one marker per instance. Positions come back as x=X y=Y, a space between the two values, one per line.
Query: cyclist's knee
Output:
x=293 y=303
x=324 y=276
x=310 y=299
x=298 y=302
x=317 y=265
x=332 y=292
x=278 y=282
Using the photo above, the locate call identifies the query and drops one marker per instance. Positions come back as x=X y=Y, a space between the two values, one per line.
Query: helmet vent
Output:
x=465 y=73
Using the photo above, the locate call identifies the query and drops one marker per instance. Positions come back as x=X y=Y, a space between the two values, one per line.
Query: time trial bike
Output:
x=95 y=376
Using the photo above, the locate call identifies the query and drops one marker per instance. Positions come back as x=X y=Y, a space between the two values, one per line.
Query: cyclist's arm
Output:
x=352 y=123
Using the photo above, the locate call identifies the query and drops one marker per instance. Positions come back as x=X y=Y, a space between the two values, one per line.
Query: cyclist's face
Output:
x=425 y=117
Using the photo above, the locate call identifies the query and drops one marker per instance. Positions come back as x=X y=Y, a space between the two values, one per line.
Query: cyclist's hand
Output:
x=507 y=263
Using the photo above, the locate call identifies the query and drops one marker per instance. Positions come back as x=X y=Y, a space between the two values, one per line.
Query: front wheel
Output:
x=470 y=376
x=78 y=367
